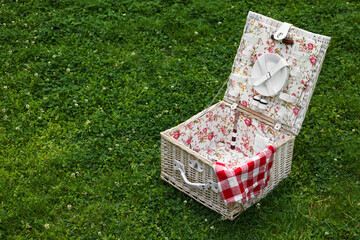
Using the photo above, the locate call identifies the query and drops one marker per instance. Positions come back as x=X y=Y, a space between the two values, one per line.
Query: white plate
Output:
x=273 y=85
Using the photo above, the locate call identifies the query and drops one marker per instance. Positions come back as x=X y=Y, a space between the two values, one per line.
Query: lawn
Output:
x=86 y=86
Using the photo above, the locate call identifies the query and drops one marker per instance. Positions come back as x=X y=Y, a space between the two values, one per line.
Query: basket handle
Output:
x=200 y=186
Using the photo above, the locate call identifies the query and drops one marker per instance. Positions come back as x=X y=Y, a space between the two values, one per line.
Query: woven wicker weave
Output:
x=172 y=149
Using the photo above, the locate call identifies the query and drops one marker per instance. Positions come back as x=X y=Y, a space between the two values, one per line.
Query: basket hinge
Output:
x=234 y=106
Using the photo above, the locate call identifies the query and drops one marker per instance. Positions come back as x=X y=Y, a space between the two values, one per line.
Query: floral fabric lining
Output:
x=210 y=135
x=302 y=57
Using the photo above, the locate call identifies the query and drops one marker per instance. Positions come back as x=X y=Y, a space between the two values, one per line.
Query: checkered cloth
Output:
x=246 y=181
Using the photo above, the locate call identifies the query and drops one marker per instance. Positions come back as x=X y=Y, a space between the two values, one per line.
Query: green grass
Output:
x=97 y=76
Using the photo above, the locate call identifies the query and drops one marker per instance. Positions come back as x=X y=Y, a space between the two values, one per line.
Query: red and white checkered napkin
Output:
x=246 y=181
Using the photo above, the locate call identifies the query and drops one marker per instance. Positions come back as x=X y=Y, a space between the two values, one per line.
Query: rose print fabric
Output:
x=302 y=57
x=210 y=135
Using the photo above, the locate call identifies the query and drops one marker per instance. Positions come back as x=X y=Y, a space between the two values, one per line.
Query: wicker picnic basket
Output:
x=268 y=92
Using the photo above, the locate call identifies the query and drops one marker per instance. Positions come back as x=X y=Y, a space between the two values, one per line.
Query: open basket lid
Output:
x=275 y=70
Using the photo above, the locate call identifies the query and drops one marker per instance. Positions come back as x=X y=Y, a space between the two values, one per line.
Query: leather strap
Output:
x=282 y=32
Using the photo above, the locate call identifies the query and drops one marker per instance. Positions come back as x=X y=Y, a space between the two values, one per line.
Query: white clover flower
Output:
x=101 y=135
x=88 y=122
x=28 y=93
x=205 y=220
x=212 y=227
x=36 y=75
x=17 y=128
x=353 y=130
x=133 y=53
x=28 y=225
x=258 y=205
x=47 y=226
x=110 y=149
x=86 y=100
x=4 y=110
x=99 y=233
x=104 y=88
x=117 y=184
x=69 y=206
x=117 y=145
x=45 y=98
x=42 y=110
x=74 y=101
x=68 y=70
x=326 y=233
x=124 y=14
x=219 y=23
x=73 y=175
x=146 y=88
x=76 y=105
x=54 y=56
x=166 y=111
x=160 y=77
x=185 y=201
x=5 y=117
x=172 y=86
x=5 y=87
x=335 y=159
x=39 y=118
x=196 y=33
